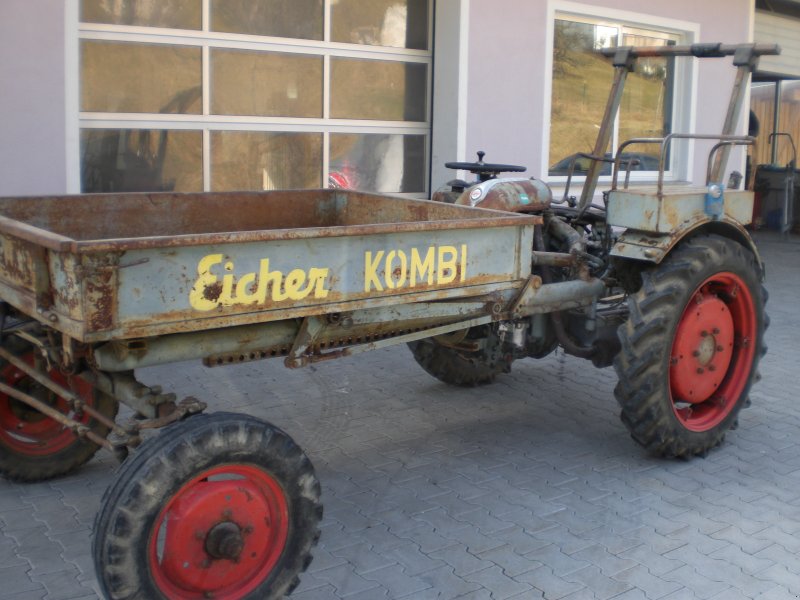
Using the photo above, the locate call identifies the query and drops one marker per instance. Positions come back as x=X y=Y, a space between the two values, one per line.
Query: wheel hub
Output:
x=225 y=541
x=702 y=349
x=220 y=534
x=706 y=350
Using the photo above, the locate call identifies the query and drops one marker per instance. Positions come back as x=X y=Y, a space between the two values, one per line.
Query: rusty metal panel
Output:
x=65 y=272
x=227 y=280
x=99 y=286
x=653 y=247
x=118 y=222
x=16 y=262
x=642 y=208
x=127 y=265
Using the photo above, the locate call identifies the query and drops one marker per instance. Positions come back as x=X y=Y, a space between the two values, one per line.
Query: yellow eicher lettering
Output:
x=202 y=296
x=401 y=269
x=210 y=290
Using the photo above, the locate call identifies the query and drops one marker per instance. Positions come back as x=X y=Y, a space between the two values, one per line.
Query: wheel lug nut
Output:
x=696 y=353
x=715 y=331
x=720 y=348
x=704 y=333
x=712 y=368
x=700 y=370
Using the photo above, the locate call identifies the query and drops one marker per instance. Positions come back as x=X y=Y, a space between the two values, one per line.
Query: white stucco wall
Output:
x=507 y=111
x=33 y=146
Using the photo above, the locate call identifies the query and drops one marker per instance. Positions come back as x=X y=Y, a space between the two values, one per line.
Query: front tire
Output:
x=691 y=346
x=34 y=447
x=219 y=506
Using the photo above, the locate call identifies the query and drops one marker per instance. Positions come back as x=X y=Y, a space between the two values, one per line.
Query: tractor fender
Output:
x=653 y=247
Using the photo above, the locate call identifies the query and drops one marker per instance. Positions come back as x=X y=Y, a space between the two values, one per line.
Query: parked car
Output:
x=646 y=162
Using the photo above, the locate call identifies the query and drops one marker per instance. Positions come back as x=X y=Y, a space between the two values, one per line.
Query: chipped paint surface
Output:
x=151 y=264
x=644 y=210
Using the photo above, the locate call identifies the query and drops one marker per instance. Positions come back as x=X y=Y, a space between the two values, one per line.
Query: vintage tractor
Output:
x=663 y=282
x=682 y=320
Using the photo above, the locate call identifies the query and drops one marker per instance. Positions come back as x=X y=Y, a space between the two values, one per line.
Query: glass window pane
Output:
x=239 y=85
x=762 y=104
x=255 y=160
x=395 y=23
x=378 y=89
x=281 y=18
x=141 y=160
x=175 y=14
x=140 y=78
x=788 y=121
x=581 y=81
x=646 y=107
x=386 y=163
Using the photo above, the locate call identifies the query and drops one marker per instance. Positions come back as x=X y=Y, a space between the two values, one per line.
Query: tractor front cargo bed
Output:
x=122 y=266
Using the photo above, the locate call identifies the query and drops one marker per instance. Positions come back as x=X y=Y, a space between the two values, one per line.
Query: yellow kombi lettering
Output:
x=422 y=266
x=403 y=269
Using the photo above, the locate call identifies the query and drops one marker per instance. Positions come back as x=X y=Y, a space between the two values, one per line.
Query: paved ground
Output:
x=530 y=488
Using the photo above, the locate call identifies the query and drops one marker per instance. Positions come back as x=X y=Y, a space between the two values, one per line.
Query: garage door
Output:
x=214 y=95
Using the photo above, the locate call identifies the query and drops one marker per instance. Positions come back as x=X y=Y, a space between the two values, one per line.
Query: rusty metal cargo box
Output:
x=98 y=267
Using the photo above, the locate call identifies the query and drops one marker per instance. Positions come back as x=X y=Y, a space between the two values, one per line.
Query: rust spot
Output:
x=212 y=292
x=246 y=493
x=101 y=316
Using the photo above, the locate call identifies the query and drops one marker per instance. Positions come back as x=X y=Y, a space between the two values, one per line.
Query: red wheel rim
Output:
x=712 y=352
x=29 y=432
x=221 y=535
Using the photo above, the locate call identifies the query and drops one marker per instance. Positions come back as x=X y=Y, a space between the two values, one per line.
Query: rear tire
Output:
x=34 y=447
x=463 y=367
x=218 y=506
x=691 y=346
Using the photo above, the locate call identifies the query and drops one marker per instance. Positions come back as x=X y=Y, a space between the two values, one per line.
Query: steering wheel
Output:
x=484 y=171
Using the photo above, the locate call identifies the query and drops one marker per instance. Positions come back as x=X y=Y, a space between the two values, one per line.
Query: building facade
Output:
x=193 y=95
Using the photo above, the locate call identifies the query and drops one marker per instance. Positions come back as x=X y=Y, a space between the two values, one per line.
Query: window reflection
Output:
x=177 y=14
x=377 y=89
x=581 y=80
x=581 y=83
x=140 y=78
x=385 y=163
x=241 y=86
x=762 y=104
x=645 y=110
x=281 y=18
x=395 y=23
x=255 y=160
x=141 y=160
x=789 y=121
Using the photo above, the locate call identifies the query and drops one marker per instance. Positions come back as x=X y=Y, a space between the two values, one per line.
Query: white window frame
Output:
x=207 y=122
x=686 y=73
